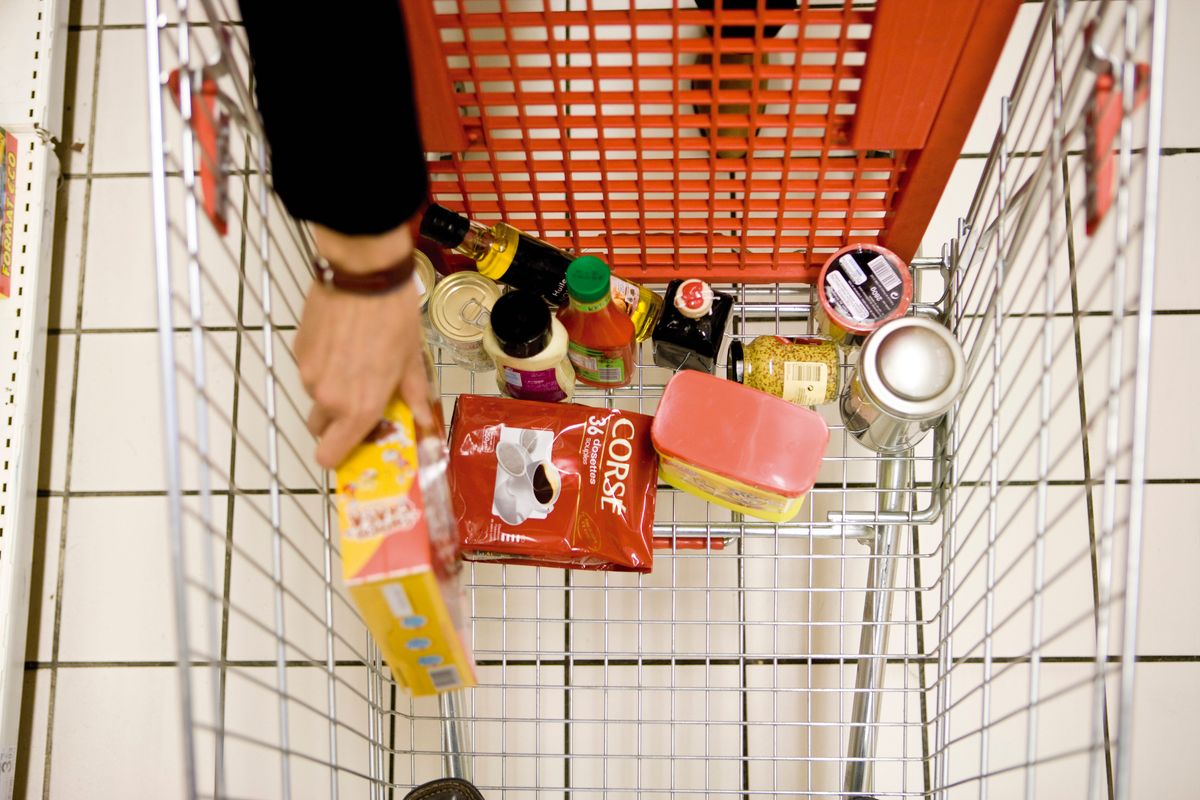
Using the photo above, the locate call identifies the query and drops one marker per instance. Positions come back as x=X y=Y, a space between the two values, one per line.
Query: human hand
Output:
x=357 y=352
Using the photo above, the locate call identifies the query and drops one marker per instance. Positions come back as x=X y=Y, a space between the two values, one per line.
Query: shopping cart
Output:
x=959 y=620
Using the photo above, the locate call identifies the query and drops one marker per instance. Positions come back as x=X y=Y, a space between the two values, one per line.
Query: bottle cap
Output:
x=521 y=324
x=736 y=369
x=694 y=298
x=444 y=226
x=588 y=279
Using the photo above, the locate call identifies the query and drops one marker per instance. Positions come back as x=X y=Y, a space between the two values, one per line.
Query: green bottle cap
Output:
x=588 y=279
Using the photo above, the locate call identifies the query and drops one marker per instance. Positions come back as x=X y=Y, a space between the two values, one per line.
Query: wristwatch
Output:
x=378 y=282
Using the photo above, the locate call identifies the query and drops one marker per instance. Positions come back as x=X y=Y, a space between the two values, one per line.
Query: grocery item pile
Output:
x=530 y=478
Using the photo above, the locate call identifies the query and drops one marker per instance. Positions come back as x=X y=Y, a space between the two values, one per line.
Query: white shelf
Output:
x=33 y=40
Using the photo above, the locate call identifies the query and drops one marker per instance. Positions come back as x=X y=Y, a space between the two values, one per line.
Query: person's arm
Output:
x=335 y=95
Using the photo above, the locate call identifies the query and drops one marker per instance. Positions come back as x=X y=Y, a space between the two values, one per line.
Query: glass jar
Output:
x=803 y=371
x=529 y=347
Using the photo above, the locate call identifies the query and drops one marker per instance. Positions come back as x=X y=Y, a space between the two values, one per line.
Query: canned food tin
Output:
x=859 y=288
x=459 y=309
x=424 y=276
x=909 y=374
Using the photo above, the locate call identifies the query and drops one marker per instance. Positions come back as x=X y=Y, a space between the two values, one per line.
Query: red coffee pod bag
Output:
x=552 y=484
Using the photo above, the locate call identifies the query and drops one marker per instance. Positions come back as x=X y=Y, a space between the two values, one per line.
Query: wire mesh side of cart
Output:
x=1035 y=600
x=733 y=668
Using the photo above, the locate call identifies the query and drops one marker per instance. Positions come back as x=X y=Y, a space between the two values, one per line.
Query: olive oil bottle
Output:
x=508 y=255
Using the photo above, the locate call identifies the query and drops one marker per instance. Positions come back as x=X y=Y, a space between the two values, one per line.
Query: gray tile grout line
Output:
x=231 y=503
x=1084 y=441
x=141 y=26
x=182 y=329
x=134 y=175
x=60 y=578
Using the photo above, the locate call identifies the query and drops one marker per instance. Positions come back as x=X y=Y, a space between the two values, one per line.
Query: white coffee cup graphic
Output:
x=511 y=502
x=513 y=458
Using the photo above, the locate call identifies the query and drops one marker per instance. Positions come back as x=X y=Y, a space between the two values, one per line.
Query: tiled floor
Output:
x=658 y=695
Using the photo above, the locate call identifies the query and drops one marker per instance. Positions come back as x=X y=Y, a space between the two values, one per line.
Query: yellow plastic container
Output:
x=737 y=447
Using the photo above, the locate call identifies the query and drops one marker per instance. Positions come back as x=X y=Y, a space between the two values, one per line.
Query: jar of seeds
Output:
x=803 y=371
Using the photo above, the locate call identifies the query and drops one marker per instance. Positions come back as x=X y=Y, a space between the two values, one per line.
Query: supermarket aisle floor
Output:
x=100 y=717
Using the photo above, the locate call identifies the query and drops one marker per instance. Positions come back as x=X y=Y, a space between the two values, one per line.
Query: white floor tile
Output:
x=56 y=426
x=118 y=431
x=518 y=611
x=31 y=744
x=1067 y=626
x=252 y=591
x=106 y=616
x=122 y=292
x=119 y=285
x=118 y=426
x=686 y=606
x=122 y=116
x=77 y=107
x=1173 y=451
x=68 y=254
x=624 y=739
x=1018 y=424
x=1063 y=729
x=1166 y=706
x=252 y=712
x=1169 y=592
x=955 y=203
x=1181 y=117
x=117 y=733
x=291 y=277
x=987 y=120
x=517 y=734
x=39 y=638
x=1175 y=285
x=296 y=467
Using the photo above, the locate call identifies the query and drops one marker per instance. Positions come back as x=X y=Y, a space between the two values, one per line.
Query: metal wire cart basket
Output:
x=959 y=620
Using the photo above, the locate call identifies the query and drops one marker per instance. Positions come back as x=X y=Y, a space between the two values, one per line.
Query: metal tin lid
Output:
x=460 y=306
x=424 y=276
x=912 y=368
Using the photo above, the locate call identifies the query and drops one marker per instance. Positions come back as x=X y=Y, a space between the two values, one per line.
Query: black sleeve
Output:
x=335 y=94
x=742 y=32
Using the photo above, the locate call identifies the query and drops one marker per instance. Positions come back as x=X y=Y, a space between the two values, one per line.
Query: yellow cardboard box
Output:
x=400 y=559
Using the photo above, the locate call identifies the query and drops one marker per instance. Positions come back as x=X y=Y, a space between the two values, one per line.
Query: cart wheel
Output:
x=445 y=789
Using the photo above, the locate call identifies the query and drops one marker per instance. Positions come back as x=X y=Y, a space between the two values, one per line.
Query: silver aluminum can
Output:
x=909 y=373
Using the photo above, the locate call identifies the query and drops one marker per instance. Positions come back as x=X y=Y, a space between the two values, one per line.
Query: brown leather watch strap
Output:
x=378 y=282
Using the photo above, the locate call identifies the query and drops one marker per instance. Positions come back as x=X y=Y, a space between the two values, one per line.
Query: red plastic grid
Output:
x=592 y=125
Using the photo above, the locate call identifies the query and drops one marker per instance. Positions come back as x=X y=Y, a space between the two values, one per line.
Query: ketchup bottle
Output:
x=601 y=337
